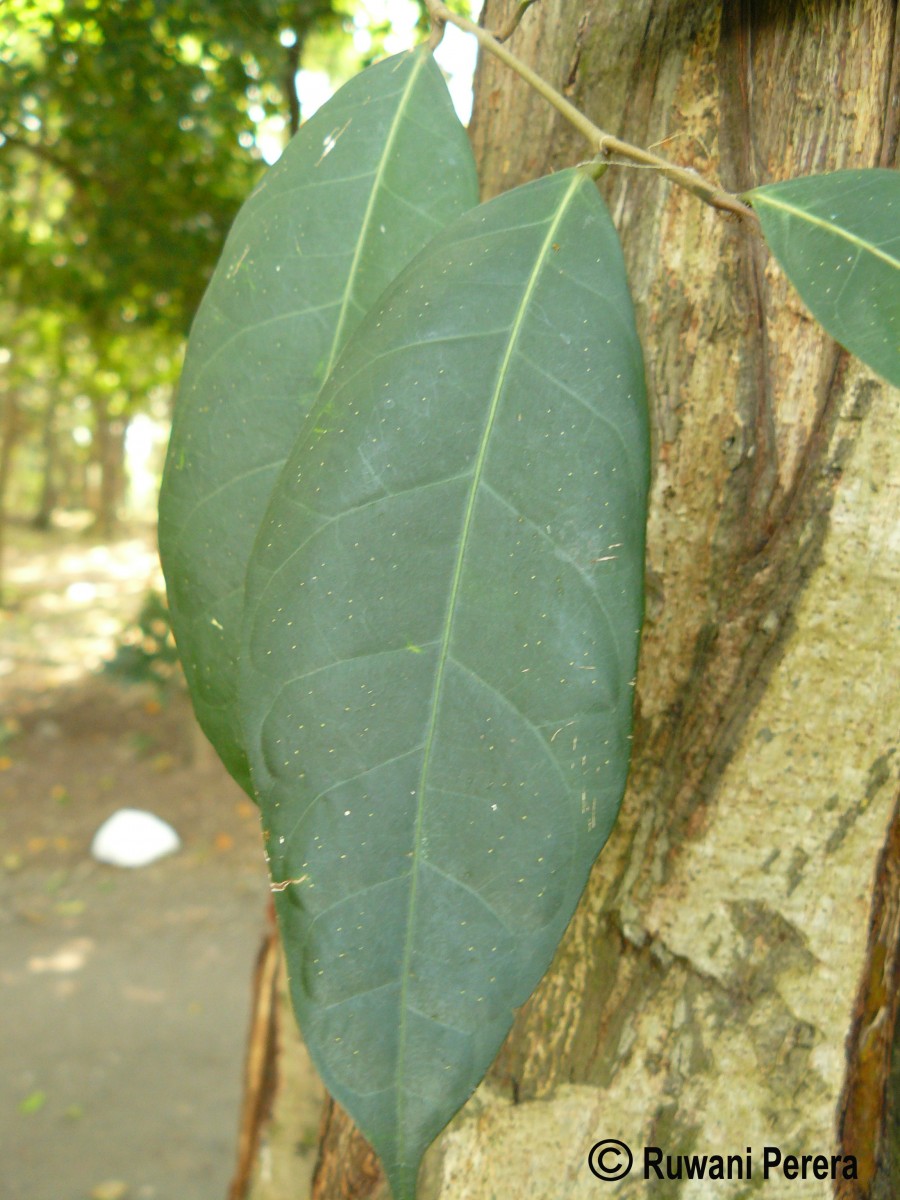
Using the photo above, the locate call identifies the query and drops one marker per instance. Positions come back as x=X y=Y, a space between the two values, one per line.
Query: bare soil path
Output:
x=124 y=993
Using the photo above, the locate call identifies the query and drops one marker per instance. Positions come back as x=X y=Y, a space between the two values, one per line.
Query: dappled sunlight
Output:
x=69 y=602
x=71 y=956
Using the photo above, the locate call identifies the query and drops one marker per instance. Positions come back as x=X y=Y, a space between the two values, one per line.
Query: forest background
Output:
x=130 y=132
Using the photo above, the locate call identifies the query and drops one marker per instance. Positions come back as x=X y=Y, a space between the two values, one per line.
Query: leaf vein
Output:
x=223 y=487
x=342 y=782
x=515 y=332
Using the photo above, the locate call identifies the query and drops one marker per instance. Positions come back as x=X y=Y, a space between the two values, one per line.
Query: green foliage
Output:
x=66 y=380
x=837 y=237
x=130 y=132
x=443 y=609
x=133 y=119
x=345 y=208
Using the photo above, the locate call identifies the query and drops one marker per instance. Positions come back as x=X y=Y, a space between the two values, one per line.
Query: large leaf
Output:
x=345 y=208
x=442 y=623
x=837 y=238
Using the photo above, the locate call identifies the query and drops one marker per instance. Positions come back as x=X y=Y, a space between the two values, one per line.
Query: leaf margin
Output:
x=768 y=200
x=402 y=1173
x=210 y=658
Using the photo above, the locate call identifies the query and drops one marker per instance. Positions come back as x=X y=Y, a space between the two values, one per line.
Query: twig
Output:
x=602 y=142
x=78 y=178
x=512 y=24
x=438 y=26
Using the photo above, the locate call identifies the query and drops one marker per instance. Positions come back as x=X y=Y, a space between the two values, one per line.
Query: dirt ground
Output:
x=124 y=992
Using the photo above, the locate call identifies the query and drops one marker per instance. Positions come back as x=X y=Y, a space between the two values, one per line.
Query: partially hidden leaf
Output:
x=442 y=622
x=331 y=224
x=837 y=238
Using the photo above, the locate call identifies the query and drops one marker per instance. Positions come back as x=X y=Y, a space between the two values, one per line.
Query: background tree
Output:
x=129 y=134
x=730 y=977
x=148 y=116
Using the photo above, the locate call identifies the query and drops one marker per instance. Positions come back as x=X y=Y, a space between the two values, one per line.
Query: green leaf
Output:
x=837 y=237
x=345 y=208
x=442 y=620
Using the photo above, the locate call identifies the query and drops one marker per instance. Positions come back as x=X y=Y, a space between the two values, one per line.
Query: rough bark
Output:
x=729 y=978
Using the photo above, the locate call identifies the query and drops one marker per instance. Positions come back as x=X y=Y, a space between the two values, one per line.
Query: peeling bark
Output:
x=277 y=1138
x=347 y=1166
x=260 y=1066
x=729 y=978
x=863 y=1119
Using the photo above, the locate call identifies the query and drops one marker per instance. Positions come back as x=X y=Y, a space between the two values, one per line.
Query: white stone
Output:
x=133 y=838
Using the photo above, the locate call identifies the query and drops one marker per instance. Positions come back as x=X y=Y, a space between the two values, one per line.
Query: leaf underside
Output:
x=441 y=635
x=328 y=228
x=837 y=238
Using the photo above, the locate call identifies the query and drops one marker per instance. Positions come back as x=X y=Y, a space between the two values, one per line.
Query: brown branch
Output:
x=290 y=84
x=261 y=1063
x=79 y=179
x=514 y=21
x=603 y=143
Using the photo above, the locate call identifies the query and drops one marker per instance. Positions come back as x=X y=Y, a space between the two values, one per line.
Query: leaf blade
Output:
x=310 y=251
x=836 y=237
x=428 y=541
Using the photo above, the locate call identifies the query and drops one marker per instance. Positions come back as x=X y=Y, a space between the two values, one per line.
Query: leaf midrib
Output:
x=836 y=230
x=370 y=209
x=443 y=654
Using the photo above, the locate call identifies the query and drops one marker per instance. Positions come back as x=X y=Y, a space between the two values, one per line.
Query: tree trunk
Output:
x=49 y=445
x=729 y=979
x=10 y=427
x=109 y=451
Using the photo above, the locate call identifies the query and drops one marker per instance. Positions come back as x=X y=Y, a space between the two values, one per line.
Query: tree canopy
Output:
x=130 y=132
x=127 y=140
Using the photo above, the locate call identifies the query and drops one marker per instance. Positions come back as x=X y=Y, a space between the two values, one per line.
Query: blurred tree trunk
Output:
x=109 y=455
x=49 y=447
x=729 y=979
x=10 y=428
